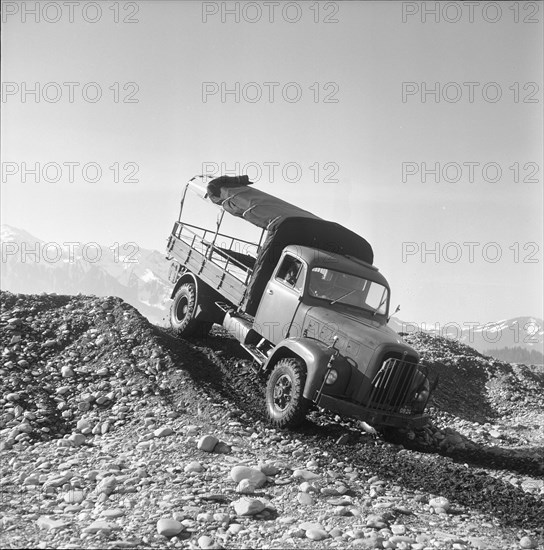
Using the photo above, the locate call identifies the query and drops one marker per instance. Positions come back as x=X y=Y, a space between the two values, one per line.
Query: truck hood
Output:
x=360 y=338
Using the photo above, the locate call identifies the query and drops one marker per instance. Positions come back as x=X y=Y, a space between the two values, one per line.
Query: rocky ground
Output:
x=113 y=434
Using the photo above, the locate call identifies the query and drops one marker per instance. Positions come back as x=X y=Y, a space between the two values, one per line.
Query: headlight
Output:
x=332 y=377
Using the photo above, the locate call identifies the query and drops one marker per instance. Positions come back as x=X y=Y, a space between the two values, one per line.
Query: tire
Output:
x=391 y=435
x=182 y=313
x=286 y=406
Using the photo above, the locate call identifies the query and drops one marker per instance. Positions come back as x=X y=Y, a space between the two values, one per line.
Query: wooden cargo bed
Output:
x=215 y=258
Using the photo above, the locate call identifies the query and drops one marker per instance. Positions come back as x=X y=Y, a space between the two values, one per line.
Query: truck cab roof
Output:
x=315 y=257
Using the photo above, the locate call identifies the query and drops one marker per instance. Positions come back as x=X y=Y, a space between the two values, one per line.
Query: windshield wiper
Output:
x=344 y=296
x=381 y=304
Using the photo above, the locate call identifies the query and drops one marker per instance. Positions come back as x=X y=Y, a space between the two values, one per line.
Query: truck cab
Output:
x=340 y=306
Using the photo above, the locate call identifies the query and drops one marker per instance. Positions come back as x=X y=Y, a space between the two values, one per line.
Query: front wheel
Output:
x=183 y=311
x=286 y=406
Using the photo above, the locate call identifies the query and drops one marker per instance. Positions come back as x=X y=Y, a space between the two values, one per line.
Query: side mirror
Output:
x=398 y=309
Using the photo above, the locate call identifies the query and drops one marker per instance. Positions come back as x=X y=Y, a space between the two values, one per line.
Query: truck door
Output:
x=281 y=299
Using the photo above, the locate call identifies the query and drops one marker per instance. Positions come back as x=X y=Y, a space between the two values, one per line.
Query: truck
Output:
x=303 y=299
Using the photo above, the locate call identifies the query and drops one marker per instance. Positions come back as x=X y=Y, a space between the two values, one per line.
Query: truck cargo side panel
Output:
x=226 y=284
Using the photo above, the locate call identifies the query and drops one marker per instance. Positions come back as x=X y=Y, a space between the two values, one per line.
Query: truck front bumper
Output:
x=372 y=416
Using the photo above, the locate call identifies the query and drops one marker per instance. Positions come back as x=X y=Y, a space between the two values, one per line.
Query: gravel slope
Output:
x=102 y=416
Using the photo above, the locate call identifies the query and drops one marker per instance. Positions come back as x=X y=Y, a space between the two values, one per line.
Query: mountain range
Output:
x=518 y=337
x=140 y=277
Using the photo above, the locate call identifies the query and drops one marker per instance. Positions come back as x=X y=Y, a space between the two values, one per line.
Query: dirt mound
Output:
x=68 y=355
x=476 y=387
x=89 y=378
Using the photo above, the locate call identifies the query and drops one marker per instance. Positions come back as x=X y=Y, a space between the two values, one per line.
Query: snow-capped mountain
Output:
x=526 y=333
x=138 y=276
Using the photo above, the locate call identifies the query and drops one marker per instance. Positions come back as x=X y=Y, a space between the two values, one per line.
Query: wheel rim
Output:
x=182 y=308
x=283 y=392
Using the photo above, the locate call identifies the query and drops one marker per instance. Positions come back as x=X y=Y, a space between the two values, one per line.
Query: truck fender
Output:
x=186 y=277
x=315 y=355
x=206 y=309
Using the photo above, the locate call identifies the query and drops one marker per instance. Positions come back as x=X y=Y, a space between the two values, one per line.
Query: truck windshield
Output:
x=344 y=288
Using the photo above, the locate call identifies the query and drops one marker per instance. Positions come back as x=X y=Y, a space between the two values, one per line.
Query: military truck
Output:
x=304 y=300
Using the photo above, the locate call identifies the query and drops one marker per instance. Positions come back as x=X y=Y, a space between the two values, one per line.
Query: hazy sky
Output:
x=336 y=97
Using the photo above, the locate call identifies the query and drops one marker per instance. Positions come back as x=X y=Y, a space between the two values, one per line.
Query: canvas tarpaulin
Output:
x=285 y=224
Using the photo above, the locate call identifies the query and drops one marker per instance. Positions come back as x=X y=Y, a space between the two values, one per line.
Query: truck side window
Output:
x=291 y=273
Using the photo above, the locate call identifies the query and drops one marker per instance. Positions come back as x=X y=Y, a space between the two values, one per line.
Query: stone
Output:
x=191 y=430
x=221 y=517
x=397 y=539
x=49 y=524
x=194 y=467
x=205 y=542
x=234 y=528
x=207 y=443
x=204 y=517
x=163 y=432
x=167 y=527
x=83 y=424
x=440 y=503
x=238 y=473
x=307 y=525
x=248 y=506
x=316 y=534
x=59 y=480
x=222 y=448
x=66 y=371
x=376 y=521
x=481 y=543
x=305 y=475
x=305 y=499
x=74 y=496
x=33 y=479
x=101 y=526
x=307 y=487
x=527 y=542
x=13 y=396
x=112 y=513
x=246 y=487
x=107 y=485
x=268 y=469
x=77 y=439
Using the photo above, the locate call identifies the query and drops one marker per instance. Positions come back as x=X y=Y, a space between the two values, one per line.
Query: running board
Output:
x=256 y=353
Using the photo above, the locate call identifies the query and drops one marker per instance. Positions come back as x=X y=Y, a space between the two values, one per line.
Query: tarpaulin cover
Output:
x=286 y=224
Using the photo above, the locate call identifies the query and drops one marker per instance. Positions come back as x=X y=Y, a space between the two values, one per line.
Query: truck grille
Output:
x=391 y=385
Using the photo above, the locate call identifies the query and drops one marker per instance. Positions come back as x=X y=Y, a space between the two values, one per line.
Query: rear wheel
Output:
x=183 y=312
x=286 y=406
